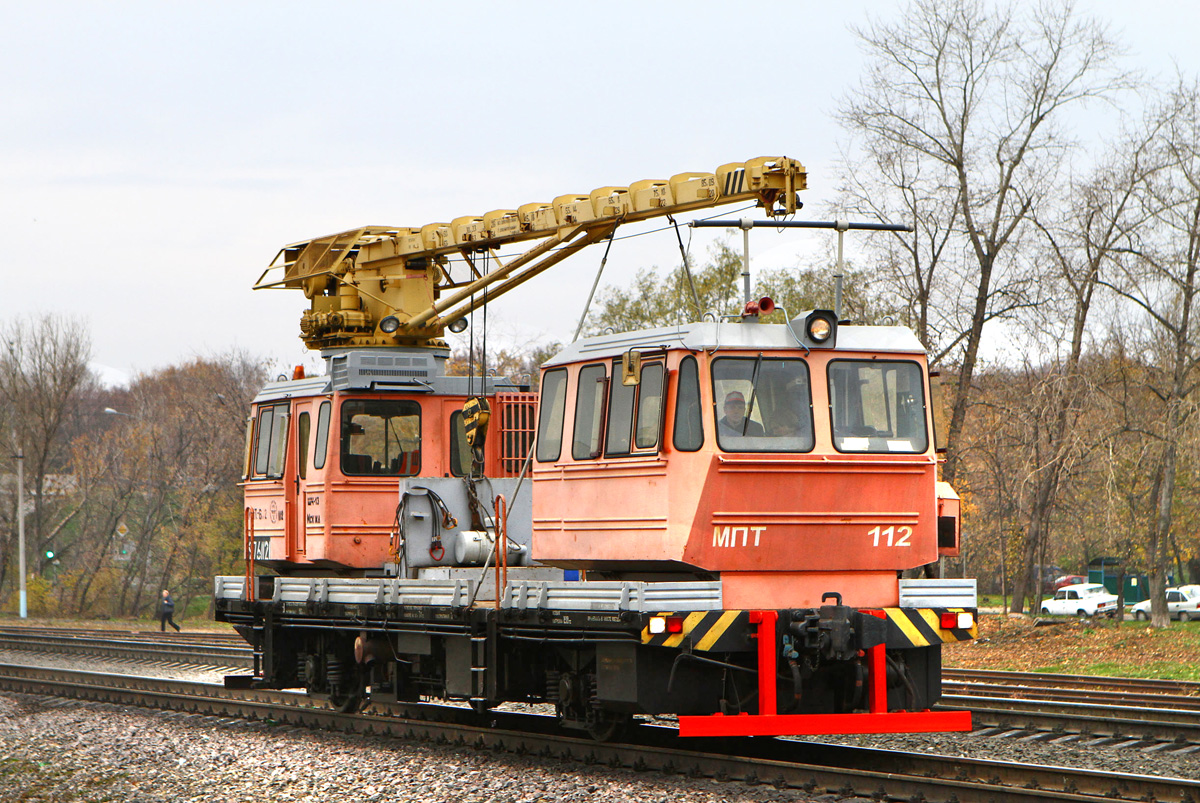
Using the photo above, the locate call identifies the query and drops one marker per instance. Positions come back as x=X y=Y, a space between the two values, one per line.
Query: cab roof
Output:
x=737 y=335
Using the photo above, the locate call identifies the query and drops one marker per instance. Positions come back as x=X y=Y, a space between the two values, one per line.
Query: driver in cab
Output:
x=734 y=423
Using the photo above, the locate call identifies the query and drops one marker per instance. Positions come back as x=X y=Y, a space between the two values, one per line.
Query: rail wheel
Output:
x=608 y=725
x=346 y=690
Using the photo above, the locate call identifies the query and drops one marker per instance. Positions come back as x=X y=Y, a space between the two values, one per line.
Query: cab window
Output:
x=302 y=431
x=877 y=406
x=551 y=413
x=271 y=440
x=248 y=455
x=589 y=412
x=322 y=447
x=381 y=437
x=634 y=411
x=762 y=404
x=620 y=413
x=649 y=408
x=689 y=429
x=461 y=458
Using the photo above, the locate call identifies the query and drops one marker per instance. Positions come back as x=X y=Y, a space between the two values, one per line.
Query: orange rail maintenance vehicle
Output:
x=712 y=520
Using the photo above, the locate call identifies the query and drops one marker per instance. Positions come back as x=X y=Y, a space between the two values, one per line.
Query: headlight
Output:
x=389 y=324
x=820 y=328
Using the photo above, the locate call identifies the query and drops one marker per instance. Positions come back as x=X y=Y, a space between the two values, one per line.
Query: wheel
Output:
x=608 y=726
x=1082 y=613
x=346 y=703
x=1140 y=616
x=1184 y=616
x=344 y=683
x=1045 y=611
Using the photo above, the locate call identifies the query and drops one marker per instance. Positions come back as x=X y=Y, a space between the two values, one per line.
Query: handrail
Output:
x=248 y=544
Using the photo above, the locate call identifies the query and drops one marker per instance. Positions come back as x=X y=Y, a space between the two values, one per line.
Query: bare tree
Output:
x=43 y=367
x=898 y=185
x=977 y=94
x=1161 y=278
x=1096 y=220
x=167 y=468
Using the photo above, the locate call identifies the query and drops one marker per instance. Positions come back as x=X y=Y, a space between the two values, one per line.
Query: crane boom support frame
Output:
x=379 y=286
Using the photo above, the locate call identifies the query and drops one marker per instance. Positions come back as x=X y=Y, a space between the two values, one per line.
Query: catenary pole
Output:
x=21 y=527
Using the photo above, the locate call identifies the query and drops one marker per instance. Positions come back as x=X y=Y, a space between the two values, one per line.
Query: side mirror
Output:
x=937 y=401
x=631 y=368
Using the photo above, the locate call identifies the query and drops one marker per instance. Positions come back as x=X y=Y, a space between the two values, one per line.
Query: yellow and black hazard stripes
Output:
x=703 y=630
x=921 y=627
x=735 y=180
x=732 y=630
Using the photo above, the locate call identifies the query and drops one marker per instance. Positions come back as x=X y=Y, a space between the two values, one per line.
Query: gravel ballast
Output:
x=71 y=751
x=61 y=750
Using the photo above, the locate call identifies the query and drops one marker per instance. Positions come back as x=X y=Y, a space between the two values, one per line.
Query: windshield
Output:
x=878 y=406
x=381 y=437
x=762 y=405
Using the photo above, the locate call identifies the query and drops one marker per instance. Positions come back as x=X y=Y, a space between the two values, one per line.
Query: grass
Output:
x=1159 y=670
x=1102 y=647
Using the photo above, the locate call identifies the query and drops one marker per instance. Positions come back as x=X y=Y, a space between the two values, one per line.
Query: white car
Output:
x=1081 y=599
x=1183 y=603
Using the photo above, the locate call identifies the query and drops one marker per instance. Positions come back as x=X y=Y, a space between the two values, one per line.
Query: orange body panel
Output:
x=804 y=589
x=330 y=517
x=814 y=513
x=779 y=528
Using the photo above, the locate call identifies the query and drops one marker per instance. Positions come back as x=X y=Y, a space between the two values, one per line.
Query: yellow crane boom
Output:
x=388 y=286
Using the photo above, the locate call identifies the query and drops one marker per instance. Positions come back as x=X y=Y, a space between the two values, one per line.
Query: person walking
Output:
x=167 y=611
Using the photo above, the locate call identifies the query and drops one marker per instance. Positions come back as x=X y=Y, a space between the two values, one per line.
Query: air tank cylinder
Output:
x=472 y=547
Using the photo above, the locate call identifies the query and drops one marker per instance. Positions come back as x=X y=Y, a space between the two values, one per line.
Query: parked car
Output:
x=1183 y=603
x=1081 y=599
x=1068 y=580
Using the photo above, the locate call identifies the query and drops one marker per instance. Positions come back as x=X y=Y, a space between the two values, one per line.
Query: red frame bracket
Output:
x=767 y=722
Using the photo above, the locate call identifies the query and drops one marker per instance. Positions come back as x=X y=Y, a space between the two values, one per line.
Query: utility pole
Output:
x=21 y=525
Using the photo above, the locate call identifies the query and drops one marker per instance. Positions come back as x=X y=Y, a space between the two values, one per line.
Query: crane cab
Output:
x=330 y=459
x=786 y=466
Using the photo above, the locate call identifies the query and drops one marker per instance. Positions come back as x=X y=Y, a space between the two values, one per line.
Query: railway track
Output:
x=201 y=649
x=1040 y=680
x=1105 y=711
x=815 y=768
x=1120 y=712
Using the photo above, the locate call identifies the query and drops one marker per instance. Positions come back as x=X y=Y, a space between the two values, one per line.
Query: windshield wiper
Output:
x=753 y=390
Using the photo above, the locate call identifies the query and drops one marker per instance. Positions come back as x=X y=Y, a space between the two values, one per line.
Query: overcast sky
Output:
x=155 y=156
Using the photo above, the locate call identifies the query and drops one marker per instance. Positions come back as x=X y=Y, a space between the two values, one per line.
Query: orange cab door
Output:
x=302 y=495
